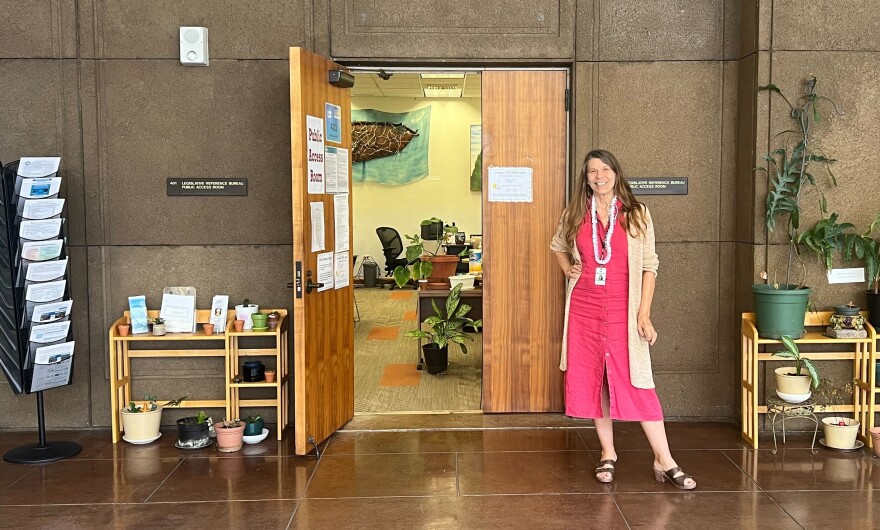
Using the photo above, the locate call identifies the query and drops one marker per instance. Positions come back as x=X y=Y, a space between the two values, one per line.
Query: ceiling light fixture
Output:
x=442 y=91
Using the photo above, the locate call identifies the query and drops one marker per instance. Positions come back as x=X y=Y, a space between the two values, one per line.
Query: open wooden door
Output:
x=524 y=128
x=323 y=316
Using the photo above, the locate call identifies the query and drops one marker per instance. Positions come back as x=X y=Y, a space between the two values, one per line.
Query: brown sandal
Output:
x=677 y=481
x=603 y=467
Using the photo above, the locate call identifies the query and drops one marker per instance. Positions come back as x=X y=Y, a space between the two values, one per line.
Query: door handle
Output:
x=310 y=285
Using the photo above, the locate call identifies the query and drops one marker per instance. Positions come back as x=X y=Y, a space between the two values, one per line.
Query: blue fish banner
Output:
x=405 y=167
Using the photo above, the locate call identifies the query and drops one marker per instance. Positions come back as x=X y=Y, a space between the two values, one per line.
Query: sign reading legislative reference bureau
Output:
x=215 y=187
x=659 y=185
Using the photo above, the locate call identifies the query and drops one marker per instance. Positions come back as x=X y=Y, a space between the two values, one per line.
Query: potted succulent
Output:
x=791 y=384
x=780 y=308
x=253 y=425
x=141 y=422
x=446 y=326
x=840 y=432
x=158 y=326
x=229 y=435
x=427 y=263
x=192 y=431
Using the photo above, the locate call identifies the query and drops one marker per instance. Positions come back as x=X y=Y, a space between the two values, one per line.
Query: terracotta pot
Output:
x=229 y=439
x=443 y=267
x=239 y=325
x=875 y=440
x=123 y=329
x=208 y=329
x=270 y=376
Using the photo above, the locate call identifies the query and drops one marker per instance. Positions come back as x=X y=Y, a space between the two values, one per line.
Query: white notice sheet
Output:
x=330 y=169
x=510 y=184
x=38 y=166
x=56 y=370
x=42 y=208
x=46 y=270
x=46 y=333
x=341 y=170
x=315 y=152
x=41 y=250
x=46 y=313
x=45 y=292
x=317 y=216
x=341 y=270
x=40 y=230
x=39 y=188
x=325 y=271
x=179 y=312
x=340 y=221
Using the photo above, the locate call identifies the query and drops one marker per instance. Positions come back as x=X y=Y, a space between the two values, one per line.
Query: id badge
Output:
x=600 y=275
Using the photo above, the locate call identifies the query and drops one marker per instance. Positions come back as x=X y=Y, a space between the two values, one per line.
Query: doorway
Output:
x=420 y=160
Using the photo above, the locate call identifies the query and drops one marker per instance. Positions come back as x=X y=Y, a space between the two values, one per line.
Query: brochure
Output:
x=46 y=270
x=47 y=333
x=46 y=313
x=54 y=354
x=45 y=292
x=41 y=250
x=137 y=310
x=41 y=208
x=39 y=188
x=38 y=166
x=39 y=230
x=56 y=370
x=179 y=312
x=219 y=307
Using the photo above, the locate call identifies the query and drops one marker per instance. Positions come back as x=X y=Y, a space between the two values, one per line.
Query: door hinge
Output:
x=567 y=99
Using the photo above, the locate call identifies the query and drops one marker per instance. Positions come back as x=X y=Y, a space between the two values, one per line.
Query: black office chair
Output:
x=392 y=247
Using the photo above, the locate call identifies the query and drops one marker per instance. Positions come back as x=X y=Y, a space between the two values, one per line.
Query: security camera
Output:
x=384 y=75
x=341 y=79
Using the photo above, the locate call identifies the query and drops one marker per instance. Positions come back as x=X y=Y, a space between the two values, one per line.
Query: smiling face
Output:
x=600 y=177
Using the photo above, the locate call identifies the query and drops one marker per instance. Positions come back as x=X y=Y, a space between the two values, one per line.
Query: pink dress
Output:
x=597 y=337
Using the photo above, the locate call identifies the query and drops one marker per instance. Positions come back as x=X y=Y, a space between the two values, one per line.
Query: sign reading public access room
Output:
x=659 y=185
x=211 y=187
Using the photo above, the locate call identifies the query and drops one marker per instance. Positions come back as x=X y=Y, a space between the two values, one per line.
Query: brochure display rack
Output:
x=36 y=346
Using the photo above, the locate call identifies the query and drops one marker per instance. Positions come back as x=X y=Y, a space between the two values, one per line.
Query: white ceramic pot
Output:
x=244 y=312
x=840 y=436
x=466 y=281
x=140 y=426
x=790 y=384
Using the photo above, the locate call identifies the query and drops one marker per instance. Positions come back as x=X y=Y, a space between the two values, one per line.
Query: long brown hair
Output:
x=633 y=218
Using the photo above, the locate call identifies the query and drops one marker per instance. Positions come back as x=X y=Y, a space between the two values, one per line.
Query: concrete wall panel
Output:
x=845 y=25
x=38 y=29
x=428 y=30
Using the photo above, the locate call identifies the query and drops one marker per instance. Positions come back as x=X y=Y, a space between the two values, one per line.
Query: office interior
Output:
x=389 y=374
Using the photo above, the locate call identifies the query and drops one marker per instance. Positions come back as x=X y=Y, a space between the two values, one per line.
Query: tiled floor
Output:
x=473 y=473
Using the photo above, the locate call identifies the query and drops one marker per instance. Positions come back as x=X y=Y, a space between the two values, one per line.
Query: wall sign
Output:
x=222 y=187
x=659 y=185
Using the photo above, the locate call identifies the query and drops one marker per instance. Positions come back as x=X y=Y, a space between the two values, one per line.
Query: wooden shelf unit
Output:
x=282 y=378
x=121 y=354
x=863 y=355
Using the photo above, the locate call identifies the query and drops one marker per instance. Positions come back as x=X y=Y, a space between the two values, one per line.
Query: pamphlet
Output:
x=39 y=188
x=40 y=230
x=341 y=270
x=38 y=166
x=47 y=333
x=41 y=250
x=46 y=313
x=325 y=271
x=137 y=310
x=54 y=354
x=56 y=370
x=219 y=307
x=46 y=270
x=179 y=312
x=42 y=208
x=45 y=292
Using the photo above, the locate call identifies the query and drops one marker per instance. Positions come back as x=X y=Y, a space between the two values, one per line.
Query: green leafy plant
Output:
x=790 y=169
x=230 y=424
x=420 y=269
x=149 y=404
x=253 y=419
x=800 y=362
x=449 y=326
x=869 y=251
x=201 y=417
x=827 y=236
x=157 y=320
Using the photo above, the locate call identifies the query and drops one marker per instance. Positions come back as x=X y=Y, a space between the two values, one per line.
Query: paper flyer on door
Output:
x=325 y=271
x=315 y=154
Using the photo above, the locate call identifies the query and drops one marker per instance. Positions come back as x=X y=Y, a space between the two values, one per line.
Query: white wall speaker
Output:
x=193 y=46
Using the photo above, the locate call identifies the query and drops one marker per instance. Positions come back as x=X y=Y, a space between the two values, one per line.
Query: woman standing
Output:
x=605 y=246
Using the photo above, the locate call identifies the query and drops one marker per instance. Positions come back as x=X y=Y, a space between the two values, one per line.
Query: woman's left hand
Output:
x=646 y=330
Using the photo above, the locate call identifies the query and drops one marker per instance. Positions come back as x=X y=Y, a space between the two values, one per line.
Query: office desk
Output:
x=424 y=309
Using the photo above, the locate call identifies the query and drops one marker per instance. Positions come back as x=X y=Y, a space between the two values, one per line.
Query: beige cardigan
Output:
x=642 y=257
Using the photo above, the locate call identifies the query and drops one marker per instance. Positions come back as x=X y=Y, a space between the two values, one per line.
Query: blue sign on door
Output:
x=332 y=122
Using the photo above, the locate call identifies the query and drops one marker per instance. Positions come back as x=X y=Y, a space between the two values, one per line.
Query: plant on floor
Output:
x=192 y=431
x=141 y=421
x=253 y=425
x=229 y=435
x=418 y=255
x=446 y=326
x=791 y=384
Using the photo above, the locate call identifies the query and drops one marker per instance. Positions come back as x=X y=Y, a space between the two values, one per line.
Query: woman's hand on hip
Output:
x=574 y=272
x=646 y=330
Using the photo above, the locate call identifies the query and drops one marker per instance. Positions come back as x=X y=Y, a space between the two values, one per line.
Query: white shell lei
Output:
x=612 y=217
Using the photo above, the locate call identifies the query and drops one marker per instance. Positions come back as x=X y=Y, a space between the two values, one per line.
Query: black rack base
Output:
x=42 y=454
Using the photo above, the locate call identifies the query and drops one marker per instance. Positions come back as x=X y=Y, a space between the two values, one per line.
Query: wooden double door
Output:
x=524 y=125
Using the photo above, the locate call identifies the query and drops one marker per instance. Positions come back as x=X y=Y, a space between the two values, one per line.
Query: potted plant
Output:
x=141 y=422
x=780 y=308
x=870 y=253
x=229 y=434
x=427 y=263
x=253 y=425
x=792 y=385
x=192 y=431
x=158 y=326
x=269 y=375
x=446 y=326
x=840 y=432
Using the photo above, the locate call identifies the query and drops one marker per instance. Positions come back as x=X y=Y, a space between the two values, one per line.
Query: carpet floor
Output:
x=385 y=359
